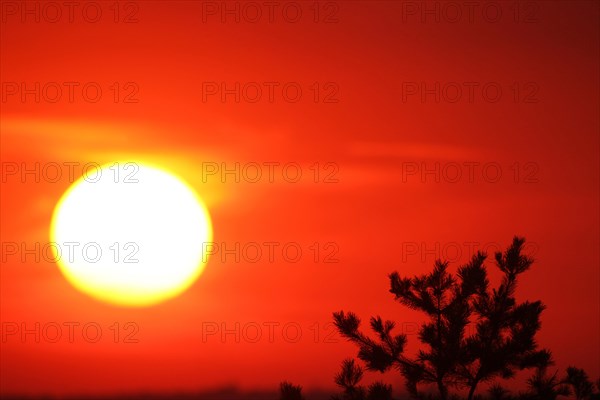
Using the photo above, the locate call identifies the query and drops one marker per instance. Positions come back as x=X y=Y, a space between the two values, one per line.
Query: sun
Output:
x=130 y=234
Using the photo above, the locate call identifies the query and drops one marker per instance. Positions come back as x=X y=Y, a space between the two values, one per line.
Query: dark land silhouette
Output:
x=230 y=393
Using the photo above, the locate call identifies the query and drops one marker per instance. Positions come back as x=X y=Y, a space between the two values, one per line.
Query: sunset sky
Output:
x=419 y=130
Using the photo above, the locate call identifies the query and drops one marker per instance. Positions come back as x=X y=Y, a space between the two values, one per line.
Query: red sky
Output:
x=374 y=67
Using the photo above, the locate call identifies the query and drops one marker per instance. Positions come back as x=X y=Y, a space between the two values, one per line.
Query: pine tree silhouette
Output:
x=497 y=392
x=543 y=386
x=504 y=338
x=290 y=392
x=580 y=383
x=546 y=387
x=502 y=344
x=349 y=378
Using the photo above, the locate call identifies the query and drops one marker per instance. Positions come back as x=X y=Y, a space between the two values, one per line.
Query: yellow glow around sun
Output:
x=130 y=234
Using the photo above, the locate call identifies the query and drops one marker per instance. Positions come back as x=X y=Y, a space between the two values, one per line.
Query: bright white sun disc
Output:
x=131 y=234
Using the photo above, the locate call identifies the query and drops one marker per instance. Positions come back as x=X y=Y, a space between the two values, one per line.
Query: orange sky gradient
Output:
x=368 y=128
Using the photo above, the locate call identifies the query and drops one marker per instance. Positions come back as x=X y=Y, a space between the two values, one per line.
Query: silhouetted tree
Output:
x=349 y=378
x=582 y=387
x=290 y=392
x=502 y=344
x=505 y=331
x=504 y=338
x=546 y=387
x=497 y=392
